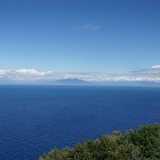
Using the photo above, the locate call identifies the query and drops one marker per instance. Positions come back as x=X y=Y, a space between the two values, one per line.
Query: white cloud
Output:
x=88 y=26
x=151 y=74
x=152 y=70
x=32 y=72
x=3 y=71
x=24 y=74
x=155 y=66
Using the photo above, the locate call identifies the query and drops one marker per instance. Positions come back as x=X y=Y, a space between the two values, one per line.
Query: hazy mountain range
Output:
x=79 y=82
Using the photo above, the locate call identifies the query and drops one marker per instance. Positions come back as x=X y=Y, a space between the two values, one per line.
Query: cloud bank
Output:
x=151 y=74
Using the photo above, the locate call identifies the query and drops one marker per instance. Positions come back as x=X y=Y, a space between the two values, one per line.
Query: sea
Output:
x=35 y=119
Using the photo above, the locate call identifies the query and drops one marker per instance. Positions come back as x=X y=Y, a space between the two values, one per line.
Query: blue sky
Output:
x=82 y=36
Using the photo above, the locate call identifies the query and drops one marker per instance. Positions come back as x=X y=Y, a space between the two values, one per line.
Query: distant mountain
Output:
x=73 y=81
x=76 y=81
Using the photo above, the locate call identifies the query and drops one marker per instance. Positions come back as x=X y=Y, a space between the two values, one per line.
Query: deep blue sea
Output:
x=34 y=119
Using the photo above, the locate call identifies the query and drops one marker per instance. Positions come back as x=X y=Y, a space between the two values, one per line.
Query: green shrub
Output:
x=143 y=144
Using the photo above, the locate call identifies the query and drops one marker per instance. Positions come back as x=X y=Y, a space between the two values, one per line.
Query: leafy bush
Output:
x=143 y=144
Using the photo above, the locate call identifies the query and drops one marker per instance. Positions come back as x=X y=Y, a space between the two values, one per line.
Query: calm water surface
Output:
x=34 y=119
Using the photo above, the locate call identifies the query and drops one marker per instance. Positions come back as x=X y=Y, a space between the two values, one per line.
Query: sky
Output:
x=100 y=39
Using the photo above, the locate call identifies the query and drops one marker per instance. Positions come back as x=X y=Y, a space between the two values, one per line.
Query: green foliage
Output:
x=143 y=144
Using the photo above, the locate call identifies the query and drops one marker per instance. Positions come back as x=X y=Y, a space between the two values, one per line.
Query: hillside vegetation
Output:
x=143 y=144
